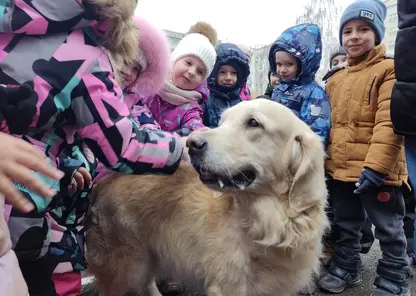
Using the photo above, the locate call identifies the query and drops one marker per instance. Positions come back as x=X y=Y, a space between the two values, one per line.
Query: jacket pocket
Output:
x=369 y=88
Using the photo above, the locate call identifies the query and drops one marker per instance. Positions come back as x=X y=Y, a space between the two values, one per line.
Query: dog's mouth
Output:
x=241 y=180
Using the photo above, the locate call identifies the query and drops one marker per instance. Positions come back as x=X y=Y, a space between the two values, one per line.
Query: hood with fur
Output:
x=153 y=55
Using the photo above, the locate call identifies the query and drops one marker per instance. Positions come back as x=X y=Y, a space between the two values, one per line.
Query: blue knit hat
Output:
x=371 y=11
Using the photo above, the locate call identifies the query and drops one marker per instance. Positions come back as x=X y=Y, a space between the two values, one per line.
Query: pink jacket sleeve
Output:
x=143 y=116
x=103 y=121
x=192 y=118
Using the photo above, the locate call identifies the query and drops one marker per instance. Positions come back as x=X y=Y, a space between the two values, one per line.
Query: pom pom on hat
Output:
x=205 y=29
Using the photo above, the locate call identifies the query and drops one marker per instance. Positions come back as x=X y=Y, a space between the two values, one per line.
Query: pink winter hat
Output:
x=153 y=56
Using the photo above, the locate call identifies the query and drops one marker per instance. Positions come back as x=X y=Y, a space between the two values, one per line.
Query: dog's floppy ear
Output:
x=306 y=167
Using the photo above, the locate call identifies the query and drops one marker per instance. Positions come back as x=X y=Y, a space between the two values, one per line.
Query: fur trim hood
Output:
x=153 y=55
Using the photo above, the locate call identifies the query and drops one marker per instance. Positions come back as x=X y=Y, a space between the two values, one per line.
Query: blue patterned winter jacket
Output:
x=303 y=95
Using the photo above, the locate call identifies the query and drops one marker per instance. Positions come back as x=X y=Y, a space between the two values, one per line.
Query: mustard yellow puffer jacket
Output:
x=361 y=128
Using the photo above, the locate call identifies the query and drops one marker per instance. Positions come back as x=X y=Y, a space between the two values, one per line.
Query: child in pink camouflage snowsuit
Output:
x=56 y=48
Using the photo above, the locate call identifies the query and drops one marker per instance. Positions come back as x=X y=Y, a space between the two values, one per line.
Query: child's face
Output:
x=130 y=77
x=274 y=80
x=188 y=72
x=227 y=76
x=358 y=38
x=286 y=65
x=338 y=60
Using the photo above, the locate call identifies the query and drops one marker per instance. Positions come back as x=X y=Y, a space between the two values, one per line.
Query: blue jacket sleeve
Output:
x=316 y=113
x=273 y=96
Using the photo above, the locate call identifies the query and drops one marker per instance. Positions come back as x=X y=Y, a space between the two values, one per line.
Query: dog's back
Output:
x=130 y=214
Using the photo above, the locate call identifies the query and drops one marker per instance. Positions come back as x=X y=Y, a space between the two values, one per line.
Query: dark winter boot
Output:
x=388 y=288
x=338 y=279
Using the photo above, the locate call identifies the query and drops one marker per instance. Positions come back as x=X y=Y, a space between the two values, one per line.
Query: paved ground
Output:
x=365 y=289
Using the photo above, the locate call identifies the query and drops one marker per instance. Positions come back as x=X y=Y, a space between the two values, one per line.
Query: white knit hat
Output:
x=198 y=45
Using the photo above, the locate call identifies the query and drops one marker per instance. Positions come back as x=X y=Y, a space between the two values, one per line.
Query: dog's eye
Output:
x=253 y=123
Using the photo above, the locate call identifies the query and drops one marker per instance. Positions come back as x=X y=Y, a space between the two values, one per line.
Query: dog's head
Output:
x=259 y=145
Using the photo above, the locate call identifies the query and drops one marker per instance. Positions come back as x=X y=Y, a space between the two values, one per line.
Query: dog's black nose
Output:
x=196 y=145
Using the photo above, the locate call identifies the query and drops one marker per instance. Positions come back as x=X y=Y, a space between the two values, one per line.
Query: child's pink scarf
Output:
x=176 y=96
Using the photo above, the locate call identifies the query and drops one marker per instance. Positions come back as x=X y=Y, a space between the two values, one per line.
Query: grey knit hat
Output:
x=371 y=11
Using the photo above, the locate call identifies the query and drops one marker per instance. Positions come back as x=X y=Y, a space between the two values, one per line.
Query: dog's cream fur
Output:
x=256 y=241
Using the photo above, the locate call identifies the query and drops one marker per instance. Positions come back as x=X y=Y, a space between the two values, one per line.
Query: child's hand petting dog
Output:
x=81 y=180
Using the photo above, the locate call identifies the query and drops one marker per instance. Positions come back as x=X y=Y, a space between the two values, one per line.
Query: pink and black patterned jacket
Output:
x=54 y=47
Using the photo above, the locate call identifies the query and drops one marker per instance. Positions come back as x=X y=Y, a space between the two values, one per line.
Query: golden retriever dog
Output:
x=245 y=219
